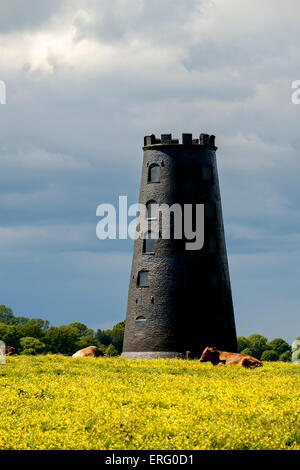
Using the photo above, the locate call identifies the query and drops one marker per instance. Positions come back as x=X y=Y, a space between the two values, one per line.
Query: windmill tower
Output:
x=180 y=300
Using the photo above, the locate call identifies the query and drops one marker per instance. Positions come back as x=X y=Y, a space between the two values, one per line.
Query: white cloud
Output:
x=93 y=263
x=36 y=159
x=249 y=153
x=24 y=237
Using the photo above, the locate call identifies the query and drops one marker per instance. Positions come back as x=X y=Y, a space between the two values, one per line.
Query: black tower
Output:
x=180 y=300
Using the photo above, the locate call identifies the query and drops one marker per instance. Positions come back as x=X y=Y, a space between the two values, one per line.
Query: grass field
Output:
x=57 y=402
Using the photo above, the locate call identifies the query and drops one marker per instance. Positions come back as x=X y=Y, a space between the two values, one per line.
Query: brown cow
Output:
x=89 y=351
x=9 y=350
x=217 y=357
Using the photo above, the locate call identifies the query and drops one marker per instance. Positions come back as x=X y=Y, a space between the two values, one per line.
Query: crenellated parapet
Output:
x=187 y=139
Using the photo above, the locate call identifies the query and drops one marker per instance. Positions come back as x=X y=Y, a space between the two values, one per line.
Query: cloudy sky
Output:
x=86 y=80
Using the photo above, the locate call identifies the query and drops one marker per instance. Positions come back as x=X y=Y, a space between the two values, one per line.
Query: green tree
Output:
x=117 y=336
x=258 y=344
x=42 y=324
x=242 y=343
x=61 y=339
x=111 y=351
x=20 y=320
x=33 y=344
x=85 y=341
x=269 y=355
x=279 y=345
x=6 y=315
x=32 y=328
x=10 y=335
x=29 y=352
x=247 y=351
x=82 y=329
x=103 y=336
x=286 y=356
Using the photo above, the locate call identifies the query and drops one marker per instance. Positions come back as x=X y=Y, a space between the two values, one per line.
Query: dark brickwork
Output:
x=187 y=305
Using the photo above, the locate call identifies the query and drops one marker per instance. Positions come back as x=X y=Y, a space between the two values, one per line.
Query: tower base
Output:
x=151 y=354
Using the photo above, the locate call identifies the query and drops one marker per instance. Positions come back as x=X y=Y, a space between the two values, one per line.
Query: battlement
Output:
x=187 y=139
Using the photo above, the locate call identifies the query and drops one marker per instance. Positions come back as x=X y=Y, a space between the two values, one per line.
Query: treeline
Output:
x=36 y=336
x=258 y=346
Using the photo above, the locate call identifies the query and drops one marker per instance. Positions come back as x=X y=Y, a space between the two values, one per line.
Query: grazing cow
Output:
x=217 y=357
x=9 y=350
x=89 y=351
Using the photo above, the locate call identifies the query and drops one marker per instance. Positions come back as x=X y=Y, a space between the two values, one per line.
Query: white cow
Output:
x=89 y=351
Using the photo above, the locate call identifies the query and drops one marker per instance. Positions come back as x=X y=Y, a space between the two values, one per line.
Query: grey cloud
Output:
x=271 y=306
x=16 y=15
x=71 y=137
x=116 y=20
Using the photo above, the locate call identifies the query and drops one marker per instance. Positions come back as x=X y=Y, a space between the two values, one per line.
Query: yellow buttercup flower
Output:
x=57 y=402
